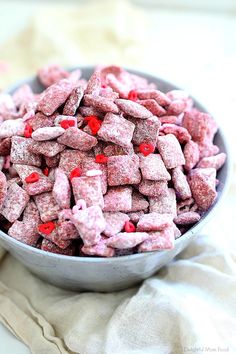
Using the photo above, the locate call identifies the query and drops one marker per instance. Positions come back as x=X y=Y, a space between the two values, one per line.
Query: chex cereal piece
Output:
x=70 y=159
x=77 y=139
x=55 y=238
x=101 y=103
x=135 y=215
x=170 y=151
x=125 y=240
x=3 y=188
x=51 y=73
x=47 y=133
x=200 y=126
x=52 y=161
x=94 y=84
x=88 y=189
x=15 y=202
x=153 y=107
x=10 y=128
x=5 y=147
x=46 y=148
x=191 y=155
x=158 y=240
x=207 y=149
x=181 y=133
x=146 y=131
x=114 y=223
x=90 y=111
x=153 y=188
x=21 y=154
x=73 y=101
x=117 y=130
x=61 y=189
x=133 y=109
x=138 y=202
x=7 y=106
x=164 y=204
x=31 y=214
x=185 y=205
x=181 y=184
x=153 y=168
x=42 y=185
x=187 y=218
x=154 y=222
x=47 y=206
x=115 y=150
x=54 y=96
x=118 y=199
x=90 y=223
x=22 y=95
x=157 y=95
x=100 y=249
x=108 y=93
x=67 y=231
x=176 y=107
x=168 y=119
x=123 y=169
x=216 y=161
x=117 y=86
x=202 y=184
x=89 y=164
x=24 y=232
x=49 y=246
x=41 y=120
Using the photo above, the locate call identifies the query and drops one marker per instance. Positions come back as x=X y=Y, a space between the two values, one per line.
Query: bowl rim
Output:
x=193 y=230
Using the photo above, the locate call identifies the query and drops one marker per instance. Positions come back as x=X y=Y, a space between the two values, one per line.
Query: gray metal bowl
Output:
x=101 y=274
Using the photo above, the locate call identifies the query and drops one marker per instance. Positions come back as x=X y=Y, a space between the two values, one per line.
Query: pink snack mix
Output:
x=103 y=167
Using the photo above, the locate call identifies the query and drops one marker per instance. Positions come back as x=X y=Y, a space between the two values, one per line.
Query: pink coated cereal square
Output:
x=42 y=185
x=51 y=73
x=216 y=161
x=47 y=206
x=15 y=202
x=20 y=153
x=12 y=127
x=153 y=107
x=170 y=151
x=31 y=214
x=89 y=164
x=73 y=101
x=94 y=84
x=164 y=204
x=187 y=218
x=23 y=95
x=90 y=111
x=49 y=246
x=54 y=96
x=5 y=147
x=123 y=169
x=124 y=240
x=158 y=240
x=90 y=223
x=61 y=189
x=118 y=199
x=135 y=216
x=177 y=107
x=100 y=103
x=191 y=154
x=154 y=222
x=55 y=238
x=146 y=131
x=153 y=168
x=202 y=184
x=46 y=148
x=71 y=159
x=77 y=139
x=133 y=109
x=67 y=231
x=160 y=97
x=181 y=184
x=52 y=161
x=47 y=133
x=181 y=133
x=117 y=130
x=100 y=249
x=153 y=188
x=88 y=189
x=41 y=120
x=24 y=232
x=115 y=150
x=138 y=202
x=117 y=86
x=115 y=222
x=7 y=106
x=207 y=149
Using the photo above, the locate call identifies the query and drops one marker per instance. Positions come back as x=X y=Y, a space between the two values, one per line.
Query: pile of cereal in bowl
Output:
x=106 y=167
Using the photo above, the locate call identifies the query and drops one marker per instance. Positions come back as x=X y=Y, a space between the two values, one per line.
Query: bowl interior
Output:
x=223 y=174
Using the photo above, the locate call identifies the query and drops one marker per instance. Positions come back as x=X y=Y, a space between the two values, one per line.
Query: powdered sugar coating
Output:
x=133 y=109
x=47 y=206
x=153 y=168
x=61 y=190
x=47 y=133
x=123 y=169
x=187 y=218
x=181 y=184
x=14 y=203
x=153 y=107
x=88 y=189
x=191 y=155
x=158 y=240
x=73 y=101
x=114 y=223
x=118 y=199
x=164 y=203
x=125 y=240
x=101 y=103
x=146 y=131
x=77 y=139
x=170 y=151
x=153 y=188
x=154 y=222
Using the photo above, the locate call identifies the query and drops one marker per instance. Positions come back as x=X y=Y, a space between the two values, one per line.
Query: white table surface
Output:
x=218 y=27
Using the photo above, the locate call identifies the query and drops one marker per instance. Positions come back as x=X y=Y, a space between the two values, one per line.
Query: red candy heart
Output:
x=46 y=228
x=67 y=123
x=129 y=227
x=76 y=172
x=101 y=158
x=33 y=177
x=146 y=149
x=28 y=131
x=132 y=96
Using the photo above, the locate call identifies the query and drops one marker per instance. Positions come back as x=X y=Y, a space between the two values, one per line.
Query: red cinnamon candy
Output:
x=67 y=123
x=129 y=227
x=146 y=149
x=28 y=131
x=47 y=228
x=33 y=177
x=76 y=172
